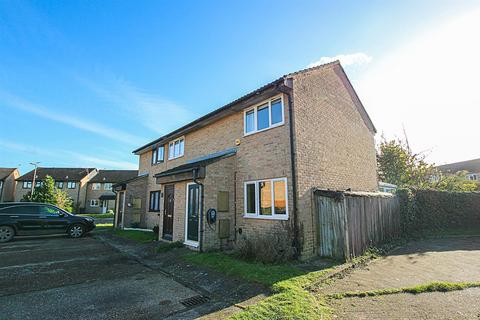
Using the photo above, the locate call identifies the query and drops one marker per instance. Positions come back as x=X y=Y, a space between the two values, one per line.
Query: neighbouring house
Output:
x=387 y=187
x=99 y=195
x=71 y=180
x=7 y=184
x=470 y=167
x=249 y=168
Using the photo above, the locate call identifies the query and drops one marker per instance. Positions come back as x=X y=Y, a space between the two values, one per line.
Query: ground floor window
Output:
x=266 y=199
x=154 y=201
x=94 y=203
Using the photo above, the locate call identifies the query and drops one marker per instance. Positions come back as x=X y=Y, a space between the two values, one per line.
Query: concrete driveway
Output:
x=452 y=259
x=62 y=278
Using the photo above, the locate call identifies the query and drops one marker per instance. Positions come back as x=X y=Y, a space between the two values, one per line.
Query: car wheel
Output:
x=76 y=231
x=6 y=233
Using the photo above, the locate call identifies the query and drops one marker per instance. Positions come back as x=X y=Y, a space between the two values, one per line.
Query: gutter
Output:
x=200 y=240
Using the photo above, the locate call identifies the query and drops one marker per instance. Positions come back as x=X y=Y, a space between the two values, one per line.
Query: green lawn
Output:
x=137 y=235
x=289 y=300
x=97 y=215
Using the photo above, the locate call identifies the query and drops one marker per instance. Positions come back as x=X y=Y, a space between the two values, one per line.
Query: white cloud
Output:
x=104 y=163
x=76 y=122
x=431 y=86
x=26 y=149
x=149 y=110
x=358 y=58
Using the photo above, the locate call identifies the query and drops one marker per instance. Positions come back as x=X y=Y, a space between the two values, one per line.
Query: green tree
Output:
x=398 y=165
x=48 y=193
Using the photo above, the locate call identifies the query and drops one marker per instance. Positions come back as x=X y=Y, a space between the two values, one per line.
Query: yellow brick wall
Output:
x=334 y=147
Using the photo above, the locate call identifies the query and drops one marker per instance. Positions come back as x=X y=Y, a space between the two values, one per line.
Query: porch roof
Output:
x=111 y=196
x=185 y=171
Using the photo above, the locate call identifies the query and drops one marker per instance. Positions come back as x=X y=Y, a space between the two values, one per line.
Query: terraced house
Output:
x=72 y=180
x=249 y=168
x=99 y=195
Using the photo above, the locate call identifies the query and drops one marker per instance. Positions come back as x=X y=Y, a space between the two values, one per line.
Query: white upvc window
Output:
x=266 y=115
x=107 y=186
x=71 y=184
x=472 y=177
x=96 y=186
x=176 y=148
x=27 y=185
x=266 y=199
x=94 y=203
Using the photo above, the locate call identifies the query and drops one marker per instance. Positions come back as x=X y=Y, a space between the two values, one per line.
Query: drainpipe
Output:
x=200 y=244
x=296 y=241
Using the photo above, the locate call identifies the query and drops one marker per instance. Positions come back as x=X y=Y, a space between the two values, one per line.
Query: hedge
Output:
x=431 y=210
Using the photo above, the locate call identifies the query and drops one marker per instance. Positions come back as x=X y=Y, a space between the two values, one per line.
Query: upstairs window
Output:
x=71 y=185
x=176 y=148
x=264 y=116
x=266 y=199
x=38 y=184
x=27 y=185
x=96 y=186
x=158 y=154
x=107 y=186
x=59 y=184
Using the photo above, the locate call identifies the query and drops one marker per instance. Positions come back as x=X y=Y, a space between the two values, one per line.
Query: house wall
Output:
x=83 y=190
x=91 y=194
x=262 y=155
x=8 y=187
x=334 y=148
x=136 y=190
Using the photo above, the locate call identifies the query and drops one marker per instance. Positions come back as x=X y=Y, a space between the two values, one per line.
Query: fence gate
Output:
x=332 y=227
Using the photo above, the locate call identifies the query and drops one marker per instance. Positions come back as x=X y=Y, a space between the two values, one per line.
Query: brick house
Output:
x=255 y=161
x=7 y=184
x=72 y=180
x=99 y=195
x=471 y=168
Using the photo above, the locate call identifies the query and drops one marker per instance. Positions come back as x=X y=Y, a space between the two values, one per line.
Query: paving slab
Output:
x=449 y=259
x=436 y=305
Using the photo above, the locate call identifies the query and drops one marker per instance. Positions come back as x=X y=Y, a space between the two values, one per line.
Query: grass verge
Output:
x=289 y=300
x=104 y=226
x=167 y=246
x=436 y=286
x=136 y=235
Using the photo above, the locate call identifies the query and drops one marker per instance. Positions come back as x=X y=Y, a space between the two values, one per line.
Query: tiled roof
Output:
x=58 y=174
x=114 y=176
x=469 y=165
x=200 y=162
x=5 y=172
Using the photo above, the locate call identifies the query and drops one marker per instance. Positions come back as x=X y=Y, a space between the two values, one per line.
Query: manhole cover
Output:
x=194 y=301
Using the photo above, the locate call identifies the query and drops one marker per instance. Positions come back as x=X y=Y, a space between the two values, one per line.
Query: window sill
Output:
x=277 y=217
x=266 y=129
x=175 y=157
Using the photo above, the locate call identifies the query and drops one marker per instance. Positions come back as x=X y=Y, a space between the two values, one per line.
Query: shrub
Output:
x=267 y=248
x=427 y=210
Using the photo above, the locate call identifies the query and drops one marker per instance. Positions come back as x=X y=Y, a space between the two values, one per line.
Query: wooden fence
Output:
x=348 y=223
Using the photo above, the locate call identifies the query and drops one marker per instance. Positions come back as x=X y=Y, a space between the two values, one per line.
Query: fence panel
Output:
x=351 y=222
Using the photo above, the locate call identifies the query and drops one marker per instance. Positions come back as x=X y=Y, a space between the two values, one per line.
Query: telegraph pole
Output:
x=34 y=175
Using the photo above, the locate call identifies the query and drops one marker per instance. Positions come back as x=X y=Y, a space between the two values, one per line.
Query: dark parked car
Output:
x=31 y=218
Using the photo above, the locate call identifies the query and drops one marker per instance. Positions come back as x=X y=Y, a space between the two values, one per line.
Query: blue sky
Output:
x=83 y=83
